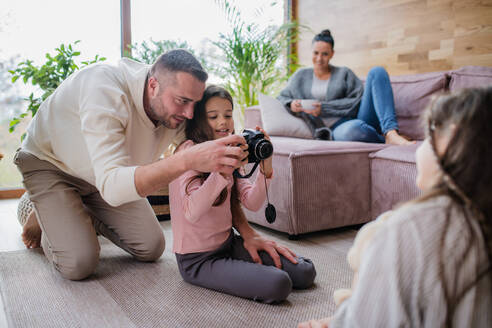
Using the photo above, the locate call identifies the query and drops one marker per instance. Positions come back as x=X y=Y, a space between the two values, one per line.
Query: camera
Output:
x=259 y=148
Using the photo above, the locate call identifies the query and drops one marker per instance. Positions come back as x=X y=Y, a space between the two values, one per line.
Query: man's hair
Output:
x=179 y=60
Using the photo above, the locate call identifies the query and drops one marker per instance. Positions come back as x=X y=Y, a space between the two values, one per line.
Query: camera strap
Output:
x=236 y=173
x=270 y=212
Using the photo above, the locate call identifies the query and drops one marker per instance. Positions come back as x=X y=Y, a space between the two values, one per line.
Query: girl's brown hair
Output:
x=198 y=130
x=466 y=172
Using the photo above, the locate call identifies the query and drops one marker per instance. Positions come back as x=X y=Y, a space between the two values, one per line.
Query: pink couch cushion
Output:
x=412 y=94
x=470 y=76
x=318 y=185
x=393 y=174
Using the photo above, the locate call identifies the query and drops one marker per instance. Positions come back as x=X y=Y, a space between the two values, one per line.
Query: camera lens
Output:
x=263 y=149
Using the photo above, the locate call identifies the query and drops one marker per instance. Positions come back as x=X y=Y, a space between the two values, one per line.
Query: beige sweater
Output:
x=94 y=127
x=399 y=283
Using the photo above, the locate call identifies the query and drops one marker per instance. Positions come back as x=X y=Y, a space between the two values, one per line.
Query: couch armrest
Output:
x=252 y=117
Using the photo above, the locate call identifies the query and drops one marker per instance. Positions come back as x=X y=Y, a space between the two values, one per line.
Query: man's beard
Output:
x=164 y=123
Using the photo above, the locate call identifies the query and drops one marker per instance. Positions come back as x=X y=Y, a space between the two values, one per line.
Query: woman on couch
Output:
x=343 y=110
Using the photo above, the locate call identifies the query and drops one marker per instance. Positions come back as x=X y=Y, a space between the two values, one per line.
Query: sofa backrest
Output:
x=470 y=76
x=412 y=94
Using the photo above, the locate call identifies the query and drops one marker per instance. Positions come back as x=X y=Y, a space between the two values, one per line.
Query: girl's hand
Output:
x=266 y=167
x=255 y=243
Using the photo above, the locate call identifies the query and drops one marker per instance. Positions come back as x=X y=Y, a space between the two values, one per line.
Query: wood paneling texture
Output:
x=404 y=36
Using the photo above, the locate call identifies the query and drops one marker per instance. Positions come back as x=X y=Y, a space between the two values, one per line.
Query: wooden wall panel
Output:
x=404 y=36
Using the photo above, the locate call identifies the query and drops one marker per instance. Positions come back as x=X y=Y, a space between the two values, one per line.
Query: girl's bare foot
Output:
x=394 y=138
x=31 y=233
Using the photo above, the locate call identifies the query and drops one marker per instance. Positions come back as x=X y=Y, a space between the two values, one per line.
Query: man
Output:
x=91 y=155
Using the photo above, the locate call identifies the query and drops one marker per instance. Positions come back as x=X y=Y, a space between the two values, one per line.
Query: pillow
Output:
x=278 y=122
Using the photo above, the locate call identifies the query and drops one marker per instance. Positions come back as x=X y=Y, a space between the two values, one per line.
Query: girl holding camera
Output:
x=209 y=252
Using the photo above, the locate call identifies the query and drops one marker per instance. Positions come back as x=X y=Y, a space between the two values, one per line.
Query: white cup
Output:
x=308 y=103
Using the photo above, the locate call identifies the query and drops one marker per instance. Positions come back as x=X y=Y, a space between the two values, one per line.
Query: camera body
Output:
x=259 y=148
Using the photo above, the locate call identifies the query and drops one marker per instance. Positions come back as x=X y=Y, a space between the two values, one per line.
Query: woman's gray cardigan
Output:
x=343 y=94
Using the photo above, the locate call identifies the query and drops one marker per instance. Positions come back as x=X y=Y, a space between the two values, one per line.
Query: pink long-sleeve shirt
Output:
x=197 y=225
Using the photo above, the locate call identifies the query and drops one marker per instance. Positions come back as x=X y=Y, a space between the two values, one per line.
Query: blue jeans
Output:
x=376 y=112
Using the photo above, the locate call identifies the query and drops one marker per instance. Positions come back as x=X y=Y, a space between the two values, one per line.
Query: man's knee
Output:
x=79 y=265
x=151 y=247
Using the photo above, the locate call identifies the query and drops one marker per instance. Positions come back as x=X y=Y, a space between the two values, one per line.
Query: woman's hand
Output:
x=295 y=106
x=266 y=165
x=316 y=111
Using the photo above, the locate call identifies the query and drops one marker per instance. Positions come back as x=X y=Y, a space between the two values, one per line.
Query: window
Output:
x=33 y=28
x=199 y=23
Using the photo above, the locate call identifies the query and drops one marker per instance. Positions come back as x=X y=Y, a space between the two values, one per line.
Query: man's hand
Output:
x=223 y=155
x=255 y=243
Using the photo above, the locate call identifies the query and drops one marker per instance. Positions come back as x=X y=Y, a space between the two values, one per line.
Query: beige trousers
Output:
x=70 y=211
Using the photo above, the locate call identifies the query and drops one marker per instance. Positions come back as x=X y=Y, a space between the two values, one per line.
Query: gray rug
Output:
x=126 y=293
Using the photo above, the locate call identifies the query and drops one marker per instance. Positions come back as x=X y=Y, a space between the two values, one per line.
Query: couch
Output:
x=322 y=185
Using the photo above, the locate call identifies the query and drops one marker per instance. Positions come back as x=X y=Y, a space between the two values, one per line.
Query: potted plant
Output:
x=47 y=76
x=255 y=59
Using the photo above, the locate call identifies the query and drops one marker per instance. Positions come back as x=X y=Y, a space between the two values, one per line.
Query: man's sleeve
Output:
x=104 y=115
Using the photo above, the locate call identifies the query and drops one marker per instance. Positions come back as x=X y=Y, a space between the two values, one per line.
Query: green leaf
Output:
x=14 y=122
x=47 y=76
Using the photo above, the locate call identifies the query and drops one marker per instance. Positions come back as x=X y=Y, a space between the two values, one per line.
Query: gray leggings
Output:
x=230 y=269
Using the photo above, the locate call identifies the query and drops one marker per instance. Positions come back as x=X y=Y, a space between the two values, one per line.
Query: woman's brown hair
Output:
x=466 y=173
x=198 y=130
